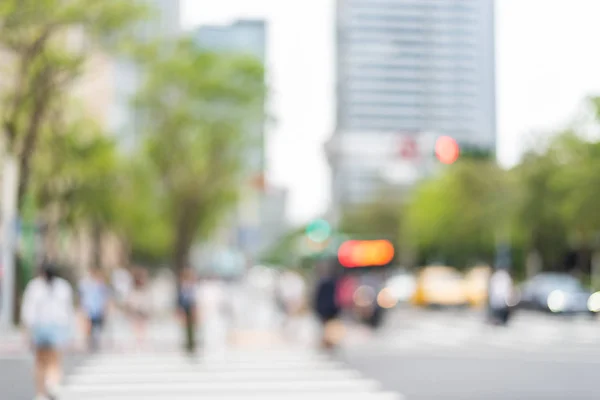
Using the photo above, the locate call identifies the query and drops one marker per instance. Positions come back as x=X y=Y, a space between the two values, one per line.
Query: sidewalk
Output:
x=11 y=341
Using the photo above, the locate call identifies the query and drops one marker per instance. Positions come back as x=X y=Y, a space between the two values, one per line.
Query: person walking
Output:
x=291 y=294
x=94 y=295
x=500 y=293
x=326 y=306
x=187 y=307
x=48 y=317
x=121 y=283
x=138 y=305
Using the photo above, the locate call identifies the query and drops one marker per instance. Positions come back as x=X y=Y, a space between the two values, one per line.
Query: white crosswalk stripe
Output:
x=236 y=374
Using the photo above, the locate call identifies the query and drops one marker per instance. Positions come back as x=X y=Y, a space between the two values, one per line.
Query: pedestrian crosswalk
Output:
x=528 y=332
x=235 y=374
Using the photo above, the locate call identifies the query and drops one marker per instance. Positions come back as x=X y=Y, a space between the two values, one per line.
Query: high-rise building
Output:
x=163 y=24
x=409 y=70
x=245 y=37
x=242 y=37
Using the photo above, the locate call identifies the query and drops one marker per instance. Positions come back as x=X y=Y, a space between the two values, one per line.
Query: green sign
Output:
x=318 y=230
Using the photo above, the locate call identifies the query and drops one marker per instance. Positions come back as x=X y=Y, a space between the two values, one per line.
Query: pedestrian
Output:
x=48 y=316
x=121 y=283
x=326 y=306
x=187 y=306
x=500 y=294
x=94 y=295
x=138 y=305
x=291 y=296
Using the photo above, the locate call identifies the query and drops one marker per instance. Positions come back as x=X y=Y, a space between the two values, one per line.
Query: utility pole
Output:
x=9 y=217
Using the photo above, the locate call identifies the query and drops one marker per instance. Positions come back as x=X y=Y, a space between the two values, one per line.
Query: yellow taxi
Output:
x=476 y=282
x=440 y=286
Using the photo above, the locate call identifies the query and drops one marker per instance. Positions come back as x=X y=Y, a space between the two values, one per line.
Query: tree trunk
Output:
x=29 y=144
x=96 y=245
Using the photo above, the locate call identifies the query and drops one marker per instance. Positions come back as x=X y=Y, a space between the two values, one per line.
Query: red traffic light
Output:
x=447 y=150
x=365 y=253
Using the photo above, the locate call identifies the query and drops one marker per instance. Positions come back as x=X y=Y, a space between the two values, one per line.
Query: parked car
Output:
x=440 y=286
x=476 y=284
x=558 y=293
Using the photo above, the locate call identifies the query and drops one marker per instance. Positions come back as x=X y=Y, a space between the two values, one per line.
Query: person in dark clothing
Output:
x=325 y=302
x=187 y=306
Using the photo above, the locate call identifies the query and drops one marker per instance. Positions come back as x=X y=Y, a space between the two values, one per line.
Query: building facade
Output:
x=246 y=232
x=164 y=24
x=409 y=70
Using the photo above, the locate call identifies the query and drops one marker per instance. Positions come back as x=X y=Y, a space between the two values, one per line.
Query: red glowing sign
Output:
x=365 y=253
x=447 y=150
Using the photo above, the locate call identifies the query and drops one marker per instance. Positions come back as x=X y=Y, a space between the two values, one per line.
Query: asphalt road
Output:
x=16 y=376
x=503 y=377
x=478 y=368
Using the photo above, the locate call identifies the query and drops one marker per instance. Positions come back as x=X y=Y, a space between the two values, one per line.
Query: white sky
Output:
x=547 y=63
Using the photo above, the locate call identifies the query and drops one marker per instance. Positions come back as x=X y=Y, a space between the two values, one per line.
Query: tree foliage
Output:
x=546 y=204
x=380 y=219
x=198 y=107
x=47 y=44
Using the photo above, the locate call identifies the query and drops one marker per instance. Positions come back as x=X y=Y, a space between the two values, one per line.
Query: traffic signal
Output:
x=318 y=231
x=365 y=253
x=447 y=149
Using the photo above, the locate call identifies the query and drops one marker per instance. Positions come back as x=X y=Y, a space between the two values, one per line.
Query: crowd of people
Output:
x=52 y=310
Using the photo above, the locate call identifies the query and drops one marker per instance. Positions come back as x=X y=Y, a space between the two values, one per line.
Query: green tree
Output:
x=540 y=225
x=199 y=108
x=576 y=181
x=374 y=220
x=38 y=38
x=285 y=252
x=142 y=217
x=45 y=45
x=76 y=177
x=460 y=215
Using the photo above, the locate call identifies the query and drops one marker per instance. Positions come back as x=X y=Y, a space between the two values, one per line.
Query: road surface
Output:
x=453 y=356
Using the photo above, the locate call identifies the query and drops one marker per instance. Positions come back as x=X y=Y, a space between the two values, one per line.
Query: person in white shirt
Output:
x=139 y=305
x=500 y=293
x=122 y=283
x=48 y=316
x=291 y=293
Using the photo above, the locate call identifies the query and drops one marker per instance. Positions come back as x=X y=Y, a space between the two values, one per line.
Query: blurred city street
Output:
x=416 y=354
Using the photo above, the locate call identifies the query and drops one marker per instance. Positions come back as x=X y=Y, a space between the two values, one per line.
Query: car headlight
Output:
x=593 y=303
x=556 y=301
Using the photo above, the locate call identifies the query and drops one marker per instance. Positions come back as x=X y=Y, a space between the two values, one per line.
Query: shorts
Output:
x=97 y=321
x=50 y=336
